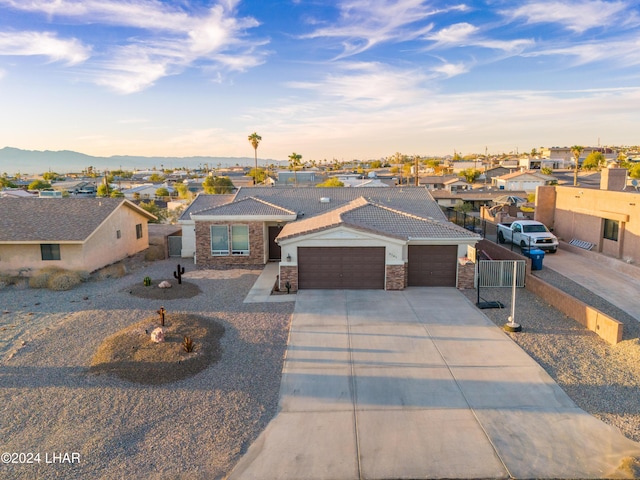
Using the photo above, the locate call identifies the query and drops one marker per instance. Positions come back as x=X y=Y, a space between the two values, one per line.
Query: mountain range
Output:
x=15 y=160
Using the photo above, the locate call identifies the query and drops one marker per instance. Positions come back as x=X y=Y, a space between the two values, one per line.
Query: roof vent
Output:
x=325 y=199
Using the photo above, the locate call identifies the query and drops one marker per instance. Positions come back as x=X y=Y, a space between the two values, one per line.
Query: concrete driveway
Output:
x=420 y=384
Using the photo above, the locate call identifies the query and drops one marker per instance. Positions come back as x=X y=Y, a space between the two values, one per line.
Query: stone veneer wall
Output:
x=203 y=246
x=466 y=275
x=288 y=274
x=396 y=277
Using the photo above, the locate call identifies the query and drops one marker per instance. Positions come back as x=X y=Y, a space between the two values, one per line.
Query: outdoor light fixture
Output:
x=288 y=258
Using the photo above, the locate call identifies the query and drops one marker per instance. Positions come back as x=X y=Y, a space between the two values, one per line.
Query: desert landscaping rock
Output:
x=196 y=427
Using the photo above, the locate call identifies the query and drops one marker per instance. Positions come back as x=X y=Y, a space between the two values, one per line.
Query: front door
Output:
x=274 y=248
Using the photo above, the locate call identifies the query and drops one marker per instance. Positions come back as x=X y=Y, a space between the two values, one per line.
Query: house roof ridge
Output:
x=270 y=204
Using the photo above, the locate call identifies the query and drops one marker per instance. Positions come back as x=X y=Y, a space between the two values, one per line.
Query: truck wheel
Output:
x=500 y=237
x=523 y=244
x=553 y=250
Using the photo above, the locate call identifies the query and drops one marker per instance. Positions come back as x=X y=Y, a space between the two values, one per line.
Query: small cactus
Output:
x=147 y=281
x=187 y=344
x=178 y=274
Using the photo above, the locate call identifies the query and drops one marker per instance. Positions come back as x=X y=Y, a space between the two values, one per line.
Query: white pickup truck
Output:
x=528 y=234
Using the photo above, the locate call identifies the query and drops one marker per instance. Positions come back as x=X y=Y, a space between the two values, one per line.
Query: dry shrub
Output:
x=64 y=280
x=116 y=270
x=40 y=279
x=154 y=252
x=6 y=280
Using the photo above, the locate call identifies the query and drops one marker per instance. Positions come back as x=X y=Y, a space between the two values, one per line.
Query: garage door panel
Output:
x=432 y=265
x=341 y=267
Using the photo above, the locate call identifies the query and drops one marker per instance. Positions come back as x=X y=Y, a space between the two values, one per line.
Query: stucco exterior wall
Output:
x=256 y=245
x=100 y=249
x=580 y=213
x=188 y=240
x=104 y=247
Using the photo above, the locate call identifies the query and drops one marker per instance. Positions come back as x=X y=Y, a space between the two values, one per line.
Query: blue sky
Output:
x=327 y=79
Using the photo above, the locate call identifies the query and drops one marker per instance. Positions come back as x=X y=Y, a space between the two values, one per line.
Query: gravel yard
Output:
x=196 y=428
x=200 y=426
x=602 y=379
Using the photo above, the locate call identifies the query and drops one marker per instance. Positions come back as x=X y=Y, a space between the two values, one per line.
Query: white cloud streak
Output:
x=577 y=16
x=47 y=44
x=365 y=23
x=170 y=39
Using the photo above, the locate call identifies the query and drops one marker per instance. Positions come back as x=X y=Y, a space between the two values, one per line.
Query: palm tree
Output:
x=576 y=150
x=294 y=164
x=254 y=138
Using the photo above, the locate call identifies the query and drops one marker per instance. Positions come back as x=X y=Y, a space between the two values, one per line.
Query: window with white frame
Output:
x=239 y=240
x=229 y=240
x=219 y=240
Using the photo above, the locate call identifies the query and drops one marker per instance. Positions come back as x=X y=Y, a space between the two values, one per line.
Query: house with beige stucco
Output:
x=332 y=238
x=604 y=220
x=70 y=233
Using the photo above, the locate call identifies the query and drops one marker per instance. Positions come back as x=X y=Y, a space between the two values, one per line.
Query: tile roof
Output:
x=305 y=201
x=245 y=206
x=364 y=215
x=56 y=220
x=204 y=202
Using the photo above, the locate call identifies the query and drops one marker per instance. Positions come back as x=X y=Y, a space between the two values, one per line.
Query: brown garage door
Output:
x=432 y=265
x=341 y=267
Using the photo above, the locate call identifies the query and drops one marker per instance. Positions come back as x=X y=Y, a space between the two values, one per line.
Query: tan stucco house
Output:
x=332 y=238
x=606 y=220
x=70 y=233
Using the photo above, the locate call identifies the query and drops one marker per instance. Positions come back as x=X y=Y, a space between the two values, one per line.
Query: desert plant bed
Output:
x=131 y=355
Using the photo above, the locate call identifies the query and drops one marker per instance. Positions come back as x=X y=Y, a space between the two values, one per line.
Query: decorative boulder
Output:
x=157 y=335
x=164 y=284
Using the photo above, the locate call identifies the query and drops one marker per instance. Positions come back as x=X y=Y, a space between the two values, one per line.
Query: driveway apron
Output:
x=420 y=384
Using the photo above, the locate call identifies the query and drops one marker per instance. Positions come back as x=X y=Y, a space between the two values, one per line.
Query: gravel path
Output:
x=602 y=379
x=196 y=428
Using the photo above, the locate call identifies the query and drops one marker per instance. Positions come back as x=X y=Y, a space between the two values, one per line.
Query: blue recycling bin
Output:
x=536 y=255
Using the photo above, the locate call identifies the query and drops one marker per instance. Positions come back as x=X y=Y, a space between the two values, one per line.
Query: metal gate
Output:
x=175 y=245
x=499 y=273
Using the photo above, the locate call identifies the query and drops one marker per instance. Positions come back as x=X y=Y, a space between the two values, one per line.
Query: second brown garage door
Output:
x=341 y=267
x=432 y=265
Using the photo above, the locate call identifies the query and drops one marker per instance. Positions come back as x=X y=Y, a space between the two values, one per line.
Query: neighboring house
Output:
x=301 y=177
x=494 y=172
x=476 y=197
x=70 y=233
x=146 y=191
x=16 y=193
x=436 y=182
x=382 y=238
x=527 y=181
x=458 y=184
x=607 y=220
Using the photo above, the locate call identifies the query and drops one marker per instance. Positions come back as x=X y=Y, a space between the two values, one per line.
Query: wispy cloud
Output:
x=449 y=70
x=577 y=16
x=169 y=39
x=363 y=24
x=367 y=84
x=624 y=52
x=47 y=44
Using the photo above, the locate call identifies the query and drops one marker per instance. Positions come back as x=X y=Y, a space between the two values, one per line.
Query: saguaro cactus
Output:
x=178 y=274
